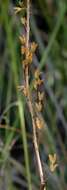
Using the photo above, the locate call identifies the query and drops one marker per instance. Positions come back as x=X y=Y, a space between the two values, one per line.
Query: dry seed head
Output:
x=23 y=88
x=29 y=56
x=23 y=50
x=39 y=106
x=37 y=83
x=39 y=123
x=33 y=47
x=37 y=74
x=53 y=162
x=52 y=158
x=40 y=96
x=22 y=39
x=17 y=9
x=53 y=167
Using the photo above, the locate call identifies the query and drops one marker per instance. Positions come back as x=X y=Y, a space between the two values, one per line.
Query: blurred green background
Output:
x=18 y=167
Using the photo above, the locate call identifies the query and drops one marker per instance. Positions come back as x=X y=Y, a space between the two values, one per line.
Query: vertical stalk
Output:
x=27 y=42
x=30 y=102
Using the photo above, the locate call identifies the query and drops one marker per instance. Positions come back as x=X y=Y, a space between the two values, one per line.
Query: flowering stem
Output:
x=27 y=43
x=30 y=102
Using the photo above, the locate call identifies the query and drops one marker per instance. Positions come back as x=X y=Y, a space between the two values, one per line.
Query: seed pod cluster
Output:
x=37 y=84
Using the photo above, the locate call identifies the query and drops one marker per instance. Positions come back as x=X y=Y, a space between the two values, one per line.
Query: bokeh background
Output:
x=48 y=28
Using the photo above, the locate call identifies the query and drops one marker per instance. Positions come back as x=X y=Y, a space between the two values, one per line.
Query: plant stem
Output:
x=30 y=104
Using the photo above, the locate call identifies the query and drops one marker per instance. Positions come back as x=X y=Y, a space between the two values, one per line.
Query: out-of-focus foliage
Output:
x=48 y=24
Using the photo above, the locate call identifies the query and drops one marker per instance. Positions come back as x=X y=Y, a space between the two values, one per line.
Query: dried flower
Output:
x=22 y=39
x=37 y=83
x=53 y=162
x=17 y=9
x=40 y=96
x=37 y=74
x=23 y=88
x=39 y=106
x=39 y=123
x=29 y=56
x=33 y=47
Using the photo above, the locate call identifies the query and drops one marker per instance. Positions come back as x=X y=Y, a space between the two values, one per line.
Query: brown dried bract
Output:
x=40 y=96
x=39 y=123
x=39 y=106
x=22 y=39
x=37 y=74
x=33 y=47
x=53 y=162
